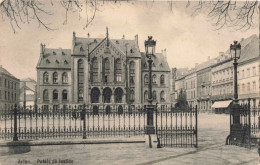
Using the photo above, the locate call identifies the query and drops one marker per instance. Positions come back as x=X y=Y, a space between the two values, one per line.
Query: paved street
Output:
x=213 y=130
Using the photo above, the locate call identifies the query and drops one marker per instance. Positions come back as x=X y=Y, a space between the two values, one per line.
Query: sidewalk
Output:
x=72 y=141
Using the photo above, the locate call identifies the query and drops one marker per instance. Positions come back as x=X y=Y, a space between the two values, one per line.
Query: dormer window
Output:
x=48 y=61
x=57 y=62
x=161 y=65
x=54 y=53
x=81 y=49
x=95 y=41
x=131 y=51
x=65 y=62
x=117 y=42
x=62 y=53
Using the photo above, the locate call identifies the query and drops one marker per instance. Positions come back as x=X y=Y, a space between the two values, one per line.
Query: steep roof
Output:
x=55 y=58
x=4 y=71
x=250 y=50
x=159 y=62
x=85 y=45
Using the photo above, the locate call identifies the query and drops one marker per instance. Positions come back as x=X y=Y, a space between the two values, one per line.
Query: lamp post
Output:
x=235 y=51
x=150 y=49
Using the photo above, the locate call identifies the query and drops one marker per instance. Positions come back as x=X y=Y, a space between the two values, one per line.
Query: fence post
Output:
x=196 y=108
x=249 y=123
x=84 y=122
x=15 y=123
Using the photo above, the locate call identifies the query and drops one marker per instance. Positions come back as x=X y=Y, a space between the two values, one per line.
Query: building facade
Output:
x=248 y=73
x=106 y=74
x=9 y=90
x=191 y=87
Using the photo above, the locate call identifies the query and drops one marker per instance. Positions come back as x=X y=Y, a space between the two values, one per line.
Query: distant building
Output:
x=9 y=90
x=27 y=92
x=191 y=87
x=248 y=73
x=104 y=73
x=179 y=80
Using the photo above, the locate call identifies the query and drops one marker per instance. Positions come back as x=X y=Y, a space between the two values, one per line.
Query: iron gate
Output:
x=177 y=127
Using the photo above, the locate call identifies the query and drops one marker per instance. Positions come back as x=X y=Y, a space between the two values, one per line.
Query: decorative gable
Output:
x=48 y=61
x=54 y=53
x=57 y=62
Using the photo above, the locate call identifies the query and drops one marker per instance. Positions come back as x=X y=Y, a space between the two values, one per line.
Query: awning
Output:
x=221 y=104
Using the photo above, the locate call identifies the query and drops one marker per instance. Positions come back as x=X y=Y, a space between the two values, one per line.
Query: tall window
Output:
x=254 y=86
x=145 y=95
x=132 y=95
x=248 y=72
x=80 y=95
x=64 y=95
x=132 y=73
x=80 y=79
x=65 y=77
x=45 y=95
x=107 y=93
x=55 y=77
x=95 y=95
x=154 y=95
x=154 y=79
x=94 y=70
x=118 y=70
x=162 y=80
x=107 y=70
x=254 y=71
x=45 y=77
x=248 y=87
x=146 y=79
x=162 y=95
x=55 y=95
x=118 y=95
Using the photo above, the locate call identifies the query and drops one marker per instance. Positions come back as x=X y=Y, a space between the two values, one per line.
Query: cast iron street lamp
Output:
x=150 y=49
x=235 y=51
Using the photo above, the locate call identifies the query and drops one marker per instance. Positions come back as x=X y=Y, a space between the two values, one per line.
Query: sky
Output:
x=187 y=39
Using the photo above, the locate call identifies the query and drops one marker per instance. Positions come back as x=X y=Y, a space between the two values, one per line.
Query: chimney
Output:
x=88 y=35
x=136 y=40
x=42 y=48
x=165 y=54
x=73 y=41
x=123 y=37
x=208 y=58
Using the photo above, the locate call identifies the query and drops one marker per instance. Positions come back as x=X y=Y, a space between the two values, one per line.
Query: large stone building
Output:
x=9 y=90
x=104 y=73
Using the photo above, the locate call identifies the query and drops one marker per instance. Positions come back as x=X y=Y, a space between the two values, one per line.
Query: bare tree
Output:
x=242 y=15
x=19 y=12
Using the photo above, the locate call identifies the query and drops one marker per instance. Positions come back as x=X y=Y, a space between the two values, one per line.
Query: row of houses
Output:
x=209 y=85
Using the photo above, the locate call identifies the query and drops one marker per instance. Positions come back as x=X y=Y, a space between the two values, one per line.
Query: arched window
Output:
x=55 y=77
x=55 y=95
x=146 y=79
x=132 y=95
x=65 y=77
x=80 y=95
x=145 y=95
x=107 y=95
x=95 y=110
x=162 y=95
x=120 y=110
x=45 y=95
x=64 y=95
x=162 y=79
x=108 y=109
x=107 y=70
x=80 y=79
x=45 y=77
x=154 y=79
x=95 y=95
x=94 y=70
x=154 y=95
x=132 y=73
x=118 y=95
x=118 y=70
